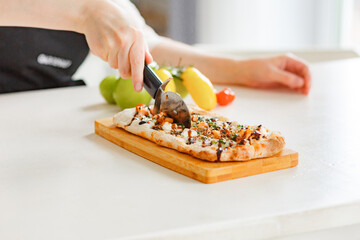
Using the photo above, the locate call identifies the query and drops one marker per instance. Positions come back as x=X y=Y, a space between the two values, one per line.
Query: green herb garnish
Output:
x=213 y=125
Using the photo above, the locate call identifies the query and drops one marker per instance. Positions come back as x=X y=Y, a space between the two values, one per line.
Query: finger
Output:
x=124 y=67
x=113 y=59
x=124 y=62
x=148 y=57
x=301 y=69
x=137 y=59
x=307 y=83
x=288 y=79
x=265 y=85
x=268 y=85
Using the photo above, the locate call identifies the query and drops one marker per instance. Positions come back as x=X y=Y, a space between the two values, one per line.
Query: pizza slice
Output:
x=211 y=137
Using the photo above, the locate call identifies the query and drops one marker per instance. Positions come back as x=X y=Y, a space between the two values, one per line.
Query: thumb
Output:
x=286 y=78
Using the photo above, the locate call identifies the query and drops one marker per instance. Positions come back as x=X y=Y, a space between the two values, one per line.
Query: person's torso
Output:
x=32 y=58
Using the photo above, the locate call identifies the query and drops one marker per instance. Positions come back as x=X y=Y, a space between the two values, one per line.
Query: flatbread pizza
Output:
x=211 y=137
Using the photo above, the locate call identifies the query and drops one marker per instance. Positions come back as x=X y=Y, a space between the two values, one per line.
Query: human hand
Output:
x=275 y=72
x=114 y=32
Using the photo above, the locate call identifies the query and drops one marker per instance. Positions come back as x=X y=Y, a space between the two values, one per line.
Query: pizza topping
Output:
x=205 y=141
x=189 y=136
x=144 y=112
x=167 y=127
x=206 y=130
x=243 y=141
x=160 y=118
x=134 y=118
x=218 y=153
x=256 y=135
x=216 y=134
x=203 y=125
x=222 y=146
x=194 y=118
x=142 y=109
x=169 y=120
x=247 y=133
x=213 y=125
x=233 y=137
x=176 y=128
x=191 y=140
x=188 y=133
x=141 y=105
x=156 y=127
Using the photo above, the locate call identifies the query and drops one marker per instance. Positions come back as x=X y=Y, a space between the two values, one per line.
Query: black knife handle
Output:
x=151 y=81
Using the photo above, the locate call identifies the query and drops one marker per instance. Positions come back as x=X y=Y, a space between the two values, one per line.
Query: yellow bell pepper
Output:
x=200 y=88
x=164 y=75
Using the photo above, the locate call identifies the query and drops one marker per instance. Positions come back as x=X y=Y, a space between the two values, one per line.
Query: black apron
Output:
x=32 y=58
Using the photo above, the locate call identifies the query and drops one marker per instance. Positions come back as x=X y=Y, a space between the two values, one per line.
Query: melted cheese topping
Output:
x=167 y=127
x=205 y=130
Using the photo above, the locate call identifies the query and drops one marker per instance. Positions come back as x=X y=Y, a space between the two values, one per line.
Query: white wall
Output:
x=269 y=24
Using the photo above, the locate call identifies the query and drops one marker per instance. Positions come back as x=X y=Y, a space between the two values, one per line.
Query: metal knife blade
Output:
x=168 y=102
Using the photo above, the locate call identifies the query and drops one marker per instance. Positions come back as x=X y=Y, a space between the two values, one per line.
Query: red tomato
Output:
x=225 y=96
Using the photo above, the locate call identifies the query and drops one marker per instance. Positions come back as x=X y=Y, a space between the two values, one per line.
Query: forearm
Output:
x=217 y=69
x=51 y=14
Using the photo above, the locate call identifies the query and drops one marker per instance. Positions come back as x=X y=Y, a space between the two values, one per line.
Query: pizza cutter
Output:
x=168 y=102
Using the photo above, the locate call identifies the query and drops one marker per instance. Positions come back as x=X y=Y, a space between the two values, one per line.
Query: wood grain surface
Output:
x=206 y=172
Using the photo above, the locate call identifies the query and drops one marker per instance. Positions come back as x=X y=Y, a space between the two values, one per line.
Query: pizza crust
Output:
x=270 y=146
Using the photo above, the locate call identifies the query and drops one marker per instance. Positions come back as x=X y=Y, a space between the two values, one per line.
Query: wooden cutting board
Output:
x=207 y=172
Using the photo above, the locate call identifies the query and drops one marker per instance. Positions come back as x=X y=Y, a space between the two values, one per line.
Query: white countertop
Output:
x=58 y=180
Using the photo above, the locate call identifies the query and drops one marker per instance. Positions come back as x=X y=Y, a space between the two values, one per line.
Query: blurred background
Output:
x=316 y=30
